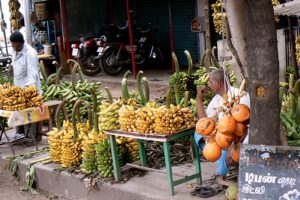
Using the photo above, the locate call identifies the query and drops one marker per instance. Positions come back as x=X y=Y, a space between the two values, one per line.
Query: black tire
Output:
x=108 y=68
x=89 y=66
x=159 y=55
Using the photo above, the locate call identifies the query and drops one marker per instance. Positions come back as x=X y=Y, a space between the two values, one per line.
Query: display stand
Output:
x=22 y=117
x=165 y=139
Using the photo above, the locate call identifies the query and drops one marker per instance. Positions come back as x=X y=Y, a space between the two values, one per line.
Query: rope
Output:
x=226 y=78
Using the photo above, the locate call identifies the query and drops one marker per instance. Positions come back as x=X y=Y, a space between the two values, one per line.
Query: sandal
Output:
x=207 y=191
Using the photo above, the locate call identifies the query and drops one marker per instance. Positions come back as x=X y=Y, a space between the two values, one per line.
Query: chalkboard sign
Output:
x=269 y=173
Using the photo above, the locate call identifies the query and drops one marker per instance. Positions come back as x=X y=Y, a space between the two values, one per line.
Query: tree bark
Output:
x=253 y=31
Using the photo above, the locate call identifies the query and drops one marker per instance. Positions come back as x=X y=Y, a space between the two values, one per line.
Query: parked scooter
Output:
x=87 y=54
x=116 y=52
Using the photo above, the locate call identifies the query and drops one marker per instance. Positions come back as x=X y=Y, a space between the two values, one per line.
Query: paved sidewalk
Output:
x=152 y=186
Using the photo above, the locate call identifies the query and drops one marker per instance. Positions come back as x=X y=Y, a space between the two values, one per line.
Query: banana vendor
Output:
x=25 y=73
x=219 y=87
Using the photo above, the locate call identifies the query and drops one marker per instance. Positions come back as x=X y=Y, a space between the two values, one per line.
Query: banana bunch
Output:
x=104 y=160
x=54 y=141
x=178 y=79
x=12 y=98
x=109 y=116
x=15 y=14
x=217 y=15
x=286 y=103
x=32 y=97
x=133 y=149
x=127 y=118
x=298 y=49
x=88 y=154
x=145 y=118
x=16 y=98
x=70 y=149
x=173 y=119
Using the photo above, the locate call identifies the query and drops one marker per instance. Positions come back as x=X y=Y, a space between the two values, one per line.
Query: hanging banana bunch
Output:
x=15 y=14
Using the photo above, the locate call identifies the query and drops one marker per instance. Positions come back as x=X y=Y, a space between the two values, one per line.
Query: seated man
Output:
x=219 y=87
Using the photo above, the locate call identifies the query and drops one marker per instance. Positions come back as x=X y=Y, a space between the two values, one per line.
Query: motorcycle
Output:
x=87 y=54
x=116 y=52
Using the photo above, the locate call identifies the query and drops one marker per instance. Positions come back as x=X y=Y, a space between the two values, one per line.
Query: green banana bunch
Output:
x=104 y=160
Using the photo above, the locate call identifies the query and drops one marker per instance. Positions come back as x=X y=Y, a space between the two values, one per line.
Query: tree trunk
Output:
x=254 y=35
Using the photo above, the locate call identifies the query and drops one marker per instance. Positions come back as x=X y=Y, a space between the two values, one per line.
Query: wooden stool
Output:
x=52 y=106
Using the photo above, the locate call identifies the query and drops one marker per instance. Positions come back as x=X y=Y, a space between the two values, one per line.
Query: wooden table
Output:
x=165 y=139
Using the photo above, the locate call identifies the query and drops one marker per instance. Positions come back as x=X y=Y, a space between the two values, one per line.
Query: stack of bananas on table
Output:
x=145 y=118
x=15 y=14
x=127 y=118
x=54 y=141
x=32 y=96
x=16 y=98
x=109 y=116
x=173 y=119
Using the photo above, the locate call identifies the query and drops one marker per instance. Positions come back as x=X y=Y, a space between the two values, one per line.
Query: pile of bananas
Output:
x=109 y=116
x=173 y=119
x=71 y=148
x=16 y=98
x=145 y=118
x=15 y=14
x=54 y=141
x=32 y=96
x=127 y=118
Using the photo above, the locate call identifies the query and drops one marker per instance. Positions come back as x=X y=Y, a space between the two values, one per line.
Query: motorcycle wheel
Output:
x=109 y=69
x=89 y=66
x=159 y=55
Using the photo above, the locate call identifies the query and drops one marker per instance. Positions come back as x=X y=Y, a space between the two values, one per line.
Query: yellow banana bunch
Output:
x=54 y=141
x=286 y=103
x=133 y=149
x=16 y=98
x=88 y=164
x=127 y=118
x=15 y=15
x=70 y=150
x=145 y=118
x=109 y=117
x=298 y=49
x=173 y=119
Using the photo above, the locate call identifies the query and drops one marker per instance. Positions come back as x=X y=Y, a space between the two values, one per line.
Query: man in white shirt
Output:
x=25 y=70
x=219 y=88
